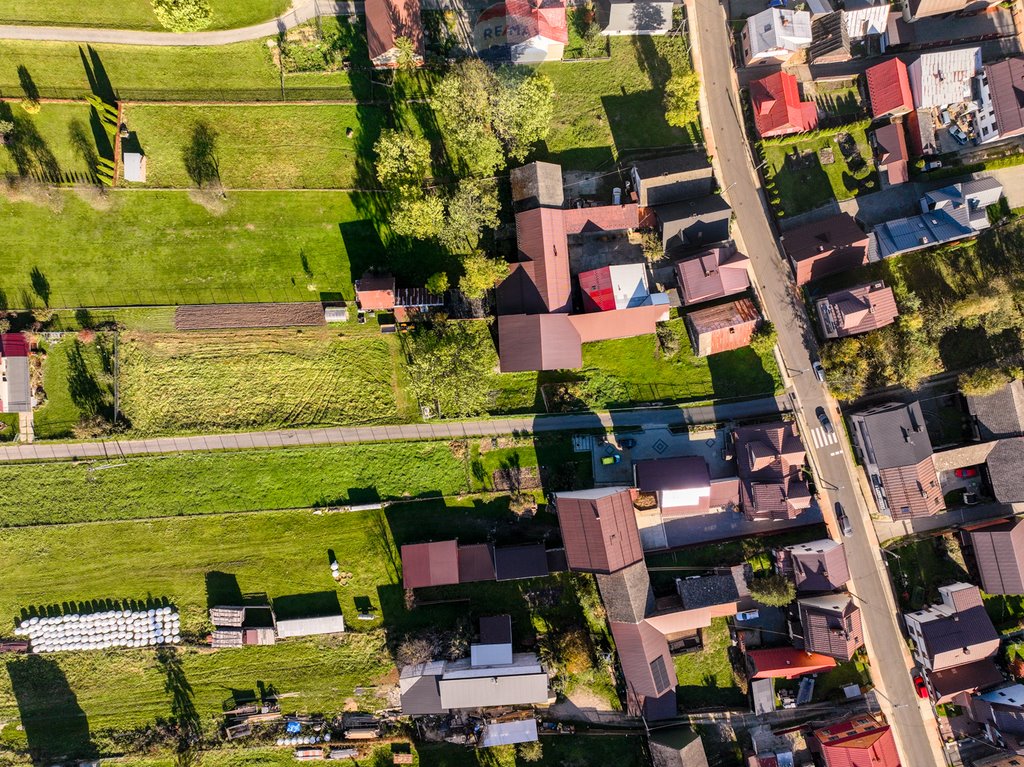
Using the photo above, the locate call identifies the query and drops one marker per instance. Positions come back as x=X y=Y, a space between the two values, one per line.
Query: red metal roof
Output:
x=540 y=235
x=601 y=218
x=13 y=345
x=889 y=88
x=778 y=109
x=528 y=18
x=598 y=294
x=430 y=564
x=862 y=741
x=787 y=663
x=375 y=293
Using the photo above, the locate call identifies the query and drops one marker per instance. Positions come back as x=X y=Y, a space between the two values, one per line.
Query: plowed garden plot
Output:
x=226 y=316
x=259 y=379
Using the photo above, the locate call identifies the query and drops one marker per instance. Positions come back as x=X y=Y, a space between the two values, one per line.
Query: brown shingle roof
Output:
x=819 y=565
x=538 y=342
x=857 y=310
x=715 y=273
x=832 y=625
x=999 y=553
x=599 y=529
x=1006 y=86
x=892 y=152
x=969 y=677
x=430 y=564
x=825 y=247
x=646 y=663
x=769 y=460
x=912 y=491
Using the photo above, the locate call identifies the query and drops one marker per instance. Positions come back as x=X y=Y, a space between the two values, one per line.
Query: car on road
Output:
x=823 y=420
x=611 y=460
x=966 y=473
x=819 y=371
x=958 y=134
x=933 y=165
x=843 y=520
x=920 y=686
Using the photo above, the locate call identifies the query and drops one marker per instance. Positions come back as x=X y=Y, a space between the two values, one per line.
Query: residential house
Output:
x=442 y=563
x=956 y=632
x=999 y=555
x=955 y=212
x=1004 y=82
x=599 y=529
x=831 y=625
x=770 y=459
x=1005 y=469
x=715 y=273
x=863 y=741
x=430 y=564
x=495 y=645
x=823 y=248
x=778 y=110
x=676 y=747
x=1000 y=713
x=786 y=663
x=858 y=310
x=889 y=89
x=682 y=485
x=942 y=78
x=693 y=223
x=913 y=10
x=535 y=30
x=536 y=329
x=619 y=286
x=15 y=380
x=723 y=328
x=891 y=153
x=647 y=668
x=386 y=22
x=375 y=293
x=859 y=29
x=999 y=415
x=672 y=179
x=775 y=34
x=634 y=17
x=814 y=566
x=892 y=443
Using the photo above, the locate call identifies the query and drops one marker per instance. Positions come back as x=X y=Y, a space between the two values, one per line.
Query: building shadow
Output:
x=313 y=604
x=56 y=728
x=222 y=589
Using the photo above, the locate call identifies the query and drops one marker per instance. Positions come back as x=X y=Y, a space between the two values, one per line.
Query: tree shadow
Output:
x=54 y=723
x=380 y=541
x=40 y=285
x=28 y=85
x=83 y=144
x=200 y=155
x=86 y=393
x=31 y=153
x=185 y=717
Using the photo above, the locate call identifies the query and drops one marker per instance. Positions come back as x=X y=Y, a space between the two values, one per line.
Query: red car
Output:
x=922 y=688
x=965 y=473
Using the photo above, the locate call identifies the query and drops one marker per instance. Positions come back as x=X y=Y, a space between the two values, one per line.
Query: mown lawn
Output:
x=78 y=381
x=603 y=109
x=132 y=14
x=271 y=146
x=56 y=145
x=256 y=379
x=215 y=483
x=705 y=677
x=798 y=180
x=163 y=248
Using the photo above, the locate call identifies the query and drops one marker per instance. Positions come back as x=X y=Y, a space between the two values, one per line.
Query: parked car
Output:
x=957 y=133
x=610 y=460
x=819 y=371
x=920 y=686
x=933 y=165
x=966 y=473
x=844 y=521
x=629 y=443
x=823 y=420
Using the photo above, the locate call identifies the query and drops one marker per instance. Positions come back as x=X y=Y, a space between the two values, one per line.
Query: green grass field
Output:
x=705 y=676
x=273 y=146
x=805 y=184
x=597 y=104
x=57 y=144
x=163 y=248
x=132 y=14
x=260 y=379
x=78 y=383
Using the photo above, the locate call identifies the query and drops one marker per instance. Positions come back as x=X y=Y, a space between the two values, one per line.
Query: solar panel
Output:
x=660 y=673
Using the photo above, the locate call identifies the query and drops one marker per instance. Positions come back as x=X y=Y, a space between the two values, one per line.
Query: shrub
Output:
x=764 y=339
x=983 y=380
x=530 y=752
x=31 y=106
x=183 y=15
x=773 y=590
x=437 y=283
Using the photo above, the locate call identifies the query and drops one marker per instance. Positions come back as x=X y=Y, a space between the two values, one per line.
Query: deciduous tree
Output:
x=450 y=370
x=523 y=106
x=183 y=15
x=772 y=589
x=403 y=160
x=481 y=274
x=418 y=217
x=682 y=93
x=470 y=209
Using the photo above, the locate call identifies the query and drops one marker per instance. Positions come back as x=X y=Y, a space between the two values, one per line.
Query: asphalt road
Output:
x=913 y=722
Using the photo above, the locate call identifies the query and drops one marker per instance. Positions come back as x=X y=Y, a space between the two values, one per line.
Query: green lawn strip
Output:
x=597 y=103
x=257 y=379
x=574 y=750
x=45 y=143
x=153 y=248
x=10 y=427
x=807 y=183
x=222 y=482
x=156 y=319
x=829 y=684
x=922 y=566
x=78 y=383
x=705 y=676
x=133 y=14
x=272 y=146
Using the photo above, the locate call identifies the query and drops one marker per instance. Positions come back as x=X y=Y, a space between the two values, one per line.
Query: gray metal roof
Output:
x=902 y=235
x=418 y=686
x=19 y=395
x=300 y=627
x=763 y=691
x=1006 y=470
x=506 y=733
x=522 y=683
x=895 y=433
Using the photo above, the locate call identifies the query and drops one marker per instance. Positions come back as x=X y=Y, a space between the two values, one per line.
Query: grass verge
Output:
x=705 y=676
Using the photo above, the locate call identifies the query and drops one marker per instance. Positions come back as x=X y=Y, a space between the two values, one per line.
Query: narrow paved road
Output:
x=914 y=725
x=299 y=14
x=42 y=451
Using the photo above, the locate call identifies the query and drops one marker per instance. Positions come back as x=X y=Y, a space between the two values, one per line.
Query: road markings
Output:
x=823 y=439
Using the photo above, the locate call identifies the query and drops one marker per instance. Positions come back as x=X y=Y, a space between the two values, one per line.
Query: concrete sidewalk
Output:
x=299 y=14
x=41 y=451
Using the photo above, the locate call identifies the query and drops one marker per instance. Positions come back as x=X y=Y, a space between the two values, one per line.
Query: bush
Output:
x=31 y=106
x=764 y=339
x=983 y=380
x=530 y=752
x=183 y=15
x=772 y=590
